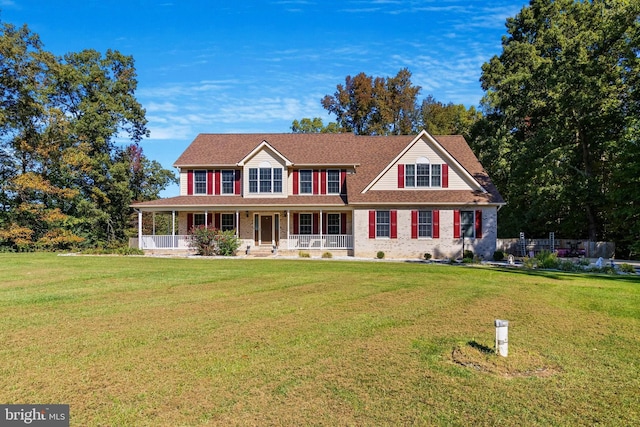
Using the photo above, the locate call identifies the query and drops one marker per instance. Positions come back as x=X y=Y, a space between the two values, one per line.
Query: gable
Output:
x=424 y=149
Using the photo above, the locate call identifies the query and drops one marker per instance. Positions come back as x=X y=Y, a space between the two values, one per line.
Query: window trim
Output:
x=230 y=173
x=308 y=181
x=256 y=180
x=200 y=173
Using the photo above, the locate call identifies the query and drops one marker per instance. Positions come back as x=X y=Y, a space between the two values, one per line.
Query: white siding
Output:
x=389 y=181
x=265 y=155
x=183 y=182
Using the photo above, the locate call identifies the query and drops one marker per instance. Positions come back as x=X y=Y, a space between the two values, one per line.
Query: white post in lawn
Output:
x=139 y=229
x=502 y=337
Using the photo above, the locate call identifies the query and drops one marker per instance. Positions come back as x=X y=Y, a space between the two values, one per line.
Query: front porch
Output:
x=288 y=230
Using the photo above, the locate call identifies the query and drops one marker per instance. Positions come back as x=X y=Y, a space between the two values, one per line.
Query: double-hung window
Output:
x=265 y=180
x=306 y=181
x=200 y=182
x=425 y=224
x=383 y=224
x=467 y=223
x=227 y=221
x=305 y=223
x=198 y=219
x=228 y=181
x=333 y=181
x=333 y=223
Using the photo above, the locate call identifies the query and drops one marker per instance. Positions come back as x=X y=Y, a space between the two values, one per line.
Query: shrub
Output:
x=468 y=254
x=627 y=268
x=327 y=255
x=208 y=241
x=303 y=254
x=547 y=259
x=568 y=265
x=427 y=256
x=498 y=255
x=380 y=255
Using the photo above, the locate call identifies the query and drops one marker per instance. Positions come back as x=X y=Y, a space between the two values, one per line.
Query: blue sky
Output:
x=254 y=66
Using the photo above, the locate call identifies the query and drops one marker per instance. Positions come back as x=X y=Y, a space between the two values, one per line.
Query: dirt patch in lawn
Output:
x=481 y=358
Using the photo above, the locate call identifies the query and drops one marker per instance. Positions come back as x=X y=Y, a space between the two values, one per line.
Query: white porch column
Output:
x=153 y=227
x=174 y=243
x=237 y=223
x=320 y=228
x=139 y=229
x=288 y=216
x=206 y=218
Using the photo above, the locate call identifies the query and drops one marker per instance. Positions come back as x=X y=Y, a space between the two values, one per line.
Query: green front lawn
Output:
x=159 y=341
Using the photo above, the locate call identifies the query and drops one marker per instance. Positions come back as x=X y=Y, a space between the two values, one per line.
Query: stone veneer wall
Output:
x=406 y=247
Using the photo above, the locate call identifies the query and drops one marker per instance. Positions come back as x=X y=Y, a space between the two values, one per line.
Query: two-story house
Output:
x=341 y=193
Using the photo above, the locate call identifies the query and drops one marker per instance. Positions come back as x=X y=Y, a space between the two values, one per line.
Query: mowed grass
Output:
x=137 y=341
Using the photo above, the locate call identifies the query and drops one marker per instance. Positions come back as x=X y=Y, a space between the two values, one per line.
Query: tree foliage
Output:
x=559 y=111
x=368 y=105
x=66 y=178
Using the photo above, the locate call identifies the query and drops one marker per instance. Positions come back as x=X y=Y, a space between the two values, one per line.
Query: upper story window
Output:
x=333 y=181
x=228 y=181
x=200 y=182
x=422 y=174
x=306 y=181
x=265 y=179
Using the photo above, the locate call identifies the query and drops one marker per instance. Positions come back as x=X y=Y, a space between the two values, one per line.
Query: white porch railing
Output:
x=320 y=241
x=165 y=242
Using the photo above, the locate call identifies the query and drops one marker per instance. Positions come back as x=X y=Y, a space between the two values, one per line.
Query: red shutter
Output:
x=209 y=182
x=316 y=181
x=372 y=224
x=216 y=221
x=218 y=174
x=456 y=224
x=237 y=182
x=189 y=221
x=296 y=182
x=394 y=224
x=343 y=223
x=343 y=181
x=400 y=176
x=478 y=224
x=296 y=223
x=190 y=183
x=414 y=224
x=323 y=181
x=445 y=176
x=436 y=224
x=316 y=220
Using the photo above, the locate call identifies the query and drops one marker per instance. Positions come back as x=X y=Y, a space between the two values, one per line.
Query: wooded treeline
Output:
x=559 y=126
x=67 y=172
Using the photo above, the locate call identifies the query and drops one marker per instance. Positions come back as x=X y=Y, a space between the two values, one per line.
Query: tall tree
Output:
x=563 y=87
x=375 y=106
x=66 y=179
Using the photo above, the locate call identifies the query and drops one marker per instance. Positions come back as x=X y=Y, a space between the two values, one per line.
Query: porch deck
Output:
x=292 y=242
